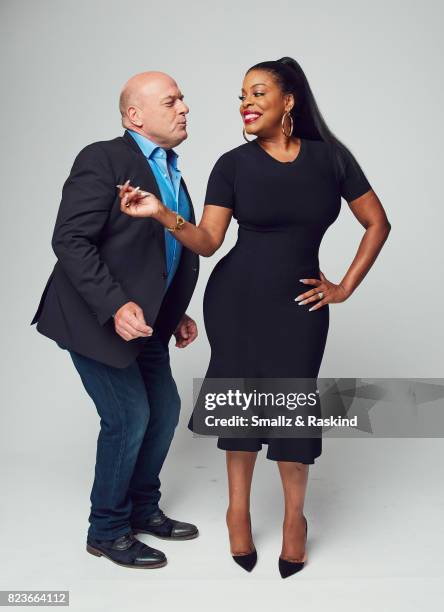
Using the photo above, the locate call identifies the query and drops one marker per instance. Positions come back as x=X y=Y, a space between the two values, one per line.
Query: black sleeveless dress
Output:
x=254 y=326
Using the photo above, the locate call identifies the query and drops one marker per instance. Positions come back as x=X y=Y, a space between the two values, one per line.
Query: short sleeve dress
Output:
x=254 y=326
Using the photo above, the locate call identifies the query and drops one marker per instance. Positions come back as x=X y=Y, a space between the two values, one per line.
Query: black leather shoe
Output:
x=127 y=551
x=288 y=568
x=159 y=525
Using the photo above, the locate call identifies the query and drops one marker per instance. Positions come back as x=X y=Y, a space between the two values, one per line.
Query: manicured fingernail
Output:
x=119 y=186
x=302 y=303
x=312 y=308
x=302 y=280
x=297 y=299
x=137 y=189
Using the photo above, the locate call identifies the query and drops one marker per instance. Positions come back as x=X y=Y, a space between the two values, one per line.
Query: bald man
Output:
x=118 y=292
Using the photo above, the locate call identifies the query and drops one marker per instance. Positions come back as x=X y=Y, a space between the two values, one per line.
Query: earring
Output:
x=291 y=124
x=245 y=138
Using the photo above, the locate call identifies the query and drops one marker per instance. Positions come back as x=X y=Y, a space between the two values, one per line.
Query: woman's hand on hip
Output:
x=137 y=203
x=324 y=292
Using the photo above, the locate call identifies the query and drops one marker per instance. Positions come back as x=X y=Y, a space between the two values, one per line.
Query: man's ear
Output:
x=134 y=116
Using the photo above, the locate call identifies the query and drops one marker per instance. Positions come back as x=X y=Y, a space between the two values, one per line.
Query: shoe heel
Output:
x=93 y=551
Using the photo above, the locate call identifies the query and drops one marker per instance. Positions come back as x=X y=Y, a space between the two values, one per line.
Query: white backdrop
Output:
x=375 y=70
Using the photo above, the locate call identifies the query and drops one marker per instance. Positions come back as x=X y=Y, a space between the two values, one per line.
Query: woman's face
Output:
x=263 y=104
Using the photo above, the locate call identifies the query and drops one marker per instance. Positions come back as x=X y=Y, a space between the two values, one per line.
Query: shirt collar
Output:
x=151 y=150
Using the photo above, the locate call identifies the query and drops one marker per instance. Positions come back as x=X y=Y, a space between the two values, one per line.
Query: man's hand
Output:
x=130 y=323
x=185 y=332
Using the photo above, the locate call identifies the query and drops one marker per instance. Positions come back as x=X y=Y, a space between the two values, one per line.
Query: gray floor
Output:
x=375 y=531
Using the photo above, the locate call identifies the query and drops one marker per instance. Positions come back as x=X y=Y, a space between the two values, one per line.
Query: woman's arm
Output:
x=369 y=211
x=204 y=239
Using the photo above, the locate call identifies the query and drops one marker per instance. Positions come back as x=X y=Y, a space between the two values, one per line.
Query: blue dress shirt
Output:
x=163 y=163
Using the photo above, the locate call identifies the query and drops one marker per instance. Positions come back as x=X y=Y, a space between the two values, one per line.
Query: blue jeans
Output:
x=139 y=409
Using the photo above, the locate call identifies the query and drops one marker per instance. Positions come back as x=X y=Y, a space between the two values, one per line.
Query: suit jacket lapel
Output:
x=192 y=219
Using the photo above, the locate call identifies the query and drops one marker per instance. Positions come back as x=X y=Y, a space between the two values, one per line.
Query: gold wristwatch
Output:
x=180 y=222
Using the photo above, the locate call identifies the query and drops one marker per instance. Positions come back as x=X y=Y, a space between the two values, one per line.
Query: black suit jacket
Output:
x=106 y=258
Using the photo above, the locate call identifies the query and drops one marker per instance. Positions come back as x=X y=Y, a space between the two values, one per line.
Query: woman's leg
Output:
x=240 y=466
x=294 y=476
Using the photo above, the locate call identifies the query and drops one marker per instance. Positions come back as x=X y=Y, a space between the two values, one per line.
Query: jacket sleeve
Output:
x=87 y=197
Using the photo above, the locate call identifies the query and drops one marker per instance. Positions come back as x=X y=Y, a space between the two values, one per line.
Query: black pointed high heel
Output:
x=248 y=561
x=288 y=568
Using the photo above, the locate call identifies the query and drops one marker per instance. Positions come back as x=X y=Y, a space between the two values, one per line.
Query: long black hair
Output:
x=308 y=120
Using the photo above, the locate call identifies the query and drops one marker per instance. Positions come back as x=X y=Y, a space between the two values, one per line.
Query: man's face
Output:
x=162 y=112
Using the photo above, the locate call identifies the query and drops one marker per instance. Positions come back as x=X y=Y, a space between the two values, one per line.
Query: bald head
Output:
x=141 y=85
x=152 y=104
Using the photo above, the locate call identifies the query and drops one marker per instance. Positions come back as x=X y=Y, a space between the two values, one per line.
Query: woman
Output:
x=284 y=188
